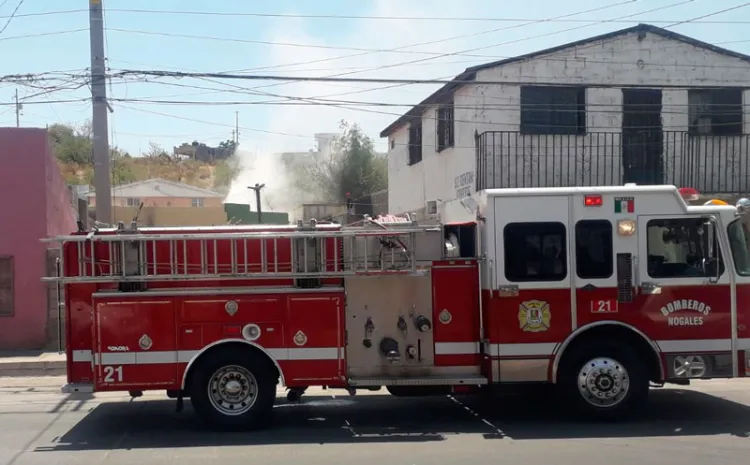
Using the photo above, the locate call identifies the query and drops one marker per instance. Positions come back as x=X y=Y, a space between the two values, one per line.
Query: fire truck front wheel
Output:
x=602 y=381
x=233 y=390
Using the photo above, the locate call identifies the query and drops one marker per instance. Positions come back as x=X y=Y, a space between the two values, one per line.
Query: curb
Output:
x=32 y=369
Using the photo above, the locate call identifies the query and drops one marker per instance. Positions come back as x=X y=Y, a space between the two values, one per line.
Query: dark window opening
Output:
x=594 y=249
x=553 y=110
x=715 y=112
x=445 y=124
x=535 y=252
x=7 y=301
x=465 y=236
x=679 y=248
x=415 y=142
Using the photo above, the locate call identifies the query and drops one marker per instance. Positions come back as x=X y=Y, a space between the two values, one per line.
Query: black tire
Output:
x=257 y=380
x=601 y=369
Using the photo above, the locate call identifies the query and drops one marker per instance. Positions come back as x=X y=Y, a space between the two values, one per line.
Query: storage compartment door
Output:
x=135 y=344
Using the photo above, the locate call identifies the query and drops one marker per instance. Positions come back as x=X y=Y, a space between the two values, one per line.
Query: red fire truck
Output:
x=599 y=291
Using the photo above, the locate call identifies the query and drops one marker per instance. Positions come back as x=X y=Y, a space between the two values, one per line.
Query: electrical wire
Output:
x=378 y=68
x=255 y=77
x=212 y=122
x=400 y=49
x=511 y=106
x=348 y=17
x=475 y=49
x=583 y=47
x=12 y=15
x=43 y=34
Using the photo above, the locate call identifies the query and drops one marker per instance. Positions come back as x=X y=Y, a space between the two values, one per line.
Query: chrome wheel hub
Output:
x=603 y=382
x=232 y=390
x=689 y=366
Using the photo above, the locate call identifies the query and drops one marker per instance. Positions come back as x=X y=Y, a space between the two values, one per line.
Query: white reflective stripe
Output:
x=542 y=349
x=322 y=353
x=82 y=356
x=456 y=348
x=695 y=345
x=702 y=345
x=184 y=356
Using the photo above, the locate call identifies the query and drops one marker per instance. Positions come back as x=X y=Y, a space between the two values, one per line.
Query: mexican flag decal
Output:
x=624 y=205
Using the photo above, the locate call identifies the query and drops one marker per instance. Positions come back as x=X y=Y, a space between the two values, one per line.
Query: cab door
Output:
x=685 y=300
x=530 y=307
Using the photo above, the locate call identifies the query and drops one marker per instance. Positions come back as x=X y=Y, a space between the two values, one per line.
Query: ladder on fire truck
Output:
x=309 y=253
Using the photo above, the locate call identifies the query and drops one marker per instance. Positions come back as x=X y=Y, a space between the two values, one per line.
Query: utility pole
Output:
x=257 y=187
x=18 y=111
x=99 y=125
x=236 y=128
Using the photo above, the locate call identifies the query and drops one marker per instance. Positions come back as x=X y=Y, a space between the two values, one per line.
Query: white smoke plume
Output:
x=279 y=194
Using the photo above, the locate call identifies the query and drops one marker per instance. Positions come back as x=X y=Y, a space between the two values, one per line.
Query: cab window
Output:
x=678 y=248
x=535 y=252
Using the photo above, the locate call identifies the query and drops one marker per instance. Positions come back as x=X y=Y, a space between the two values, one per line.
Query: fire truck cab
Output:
x=598 y=291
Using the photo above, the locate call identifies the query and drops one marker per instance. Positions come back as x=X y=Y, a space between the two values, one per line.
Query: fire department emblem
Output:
x=445 y=316
x=231 y=307
x=145 y=342
x=534 y=316
x=300 y=338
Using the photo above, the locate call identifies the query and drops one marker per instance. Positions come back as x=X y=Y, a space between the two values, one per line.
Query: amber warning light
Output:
x=592 y=201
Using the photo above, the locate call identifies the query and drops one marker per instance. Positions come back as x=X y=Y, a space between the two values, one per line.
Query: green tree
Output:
x=230 y=145
x=71 y=144
x=352 y=169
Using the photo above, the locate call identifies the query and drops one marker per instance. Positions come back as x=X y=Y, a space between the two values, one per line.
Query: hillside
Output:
x=72 y=148
x=131 y=169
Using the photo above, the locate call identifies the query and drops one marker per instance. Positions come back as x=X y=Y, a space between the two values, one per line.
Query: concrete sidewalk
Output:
x=31 y=364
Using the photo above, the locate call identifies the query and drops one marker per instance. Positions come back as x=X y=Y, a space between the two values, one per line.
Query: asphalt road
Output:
x=706 y=423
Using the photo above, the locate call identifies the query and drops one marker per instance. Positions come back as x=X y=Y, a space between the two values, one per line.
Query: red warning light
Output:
x=689 y=194
x=592 y=201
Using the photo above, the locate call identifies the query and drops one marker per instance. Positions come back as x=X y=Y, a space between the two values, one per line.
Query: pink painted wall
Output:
x=35 y=204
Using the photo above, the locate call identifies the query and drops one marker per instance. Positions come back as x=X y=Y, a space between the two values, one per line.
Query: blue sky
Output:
x=134 y=125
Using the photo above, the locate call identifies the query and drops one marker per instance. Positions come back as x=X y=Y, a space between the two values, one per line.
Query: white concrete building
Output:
x=642 y=104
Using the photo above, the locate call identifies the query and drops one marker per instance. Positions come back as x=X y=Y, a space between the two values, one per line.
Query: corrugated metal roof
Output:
x=160 y=188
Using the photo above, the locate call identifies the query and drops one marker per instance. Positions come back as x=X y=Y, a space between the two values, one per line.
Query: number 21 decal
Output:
x=604 y=306
x=112 y=374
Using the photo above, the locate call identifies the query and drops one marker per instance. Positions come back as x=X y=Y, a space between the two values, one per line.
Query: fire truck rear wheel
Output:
x=603 y=381
x=233 y=390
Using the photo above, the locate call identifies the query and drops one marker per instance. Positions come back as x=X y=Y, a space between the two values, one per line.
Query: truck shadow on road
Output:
x=376 y=418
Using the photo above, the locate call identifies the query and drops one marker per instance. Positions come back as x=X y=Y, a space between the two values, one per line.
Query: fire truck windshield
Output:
x=739 y=241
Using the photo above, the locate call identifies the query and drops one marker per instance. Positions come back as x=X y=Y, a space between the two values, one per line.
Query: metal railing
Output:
x=710 y=164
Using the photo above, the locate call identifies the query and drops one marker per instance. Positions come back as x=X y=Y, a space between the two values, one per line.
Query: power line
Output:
x=363 y=51
x=12 y=15
x=424 y=117
x=514 y=106
x=353 y=17
x=255 y=77
x=377 y=18
x=485 y=47
x=43 y=34
x=595 y=129
x=213 y=122
x=378 y=68
x=565 y=30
